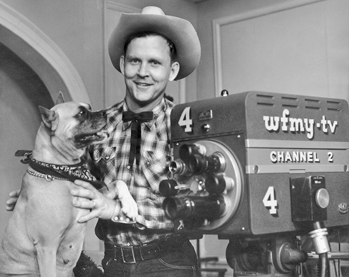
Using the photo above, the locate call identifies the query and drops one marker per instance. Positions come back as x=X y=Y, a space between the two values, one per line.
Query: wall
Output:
x=21 y=92
x=266 y=45
x=77 y=27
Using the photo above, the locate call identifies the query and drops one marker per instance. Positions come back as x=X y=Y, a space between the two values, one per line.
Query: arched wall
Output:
x=32 y=71
x=37 y=50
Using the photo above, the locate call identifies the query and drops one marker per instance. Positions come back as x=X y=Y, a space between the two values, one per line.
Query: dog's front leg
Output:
x=129 y=205
x=46 y=260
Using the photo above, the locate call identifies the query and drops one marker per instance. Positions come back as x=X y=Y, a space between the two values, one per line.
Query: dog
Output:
x=43 y=237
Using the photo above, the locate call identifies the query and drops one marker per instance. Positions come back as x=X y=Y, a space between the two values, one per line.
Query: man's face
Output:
x=147 y=69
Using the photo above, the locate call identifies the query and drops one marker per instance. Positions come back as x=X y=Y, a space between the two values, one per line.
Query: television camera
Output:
x=262 y=170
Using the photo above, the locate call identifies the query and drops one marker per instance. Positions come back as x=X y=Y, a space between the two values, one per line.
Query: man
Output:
x=149 y=49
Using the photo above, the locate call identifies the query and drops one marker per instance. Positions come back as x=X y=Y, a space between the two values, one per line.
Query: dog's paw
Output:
x=129 y=206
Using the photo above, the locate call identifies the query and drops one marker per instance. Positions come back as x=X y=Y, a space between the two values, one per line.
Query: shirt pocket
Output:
x=104 y=154
x=156 y=160
x=159 y=153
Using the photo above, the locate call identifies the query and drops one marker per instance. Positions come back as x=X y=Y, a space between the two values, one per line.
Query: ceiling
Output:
x=197 y=1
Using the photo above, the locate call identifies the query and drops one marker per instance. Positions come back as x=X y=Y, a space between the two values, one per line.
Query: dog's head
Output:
x=73 y=126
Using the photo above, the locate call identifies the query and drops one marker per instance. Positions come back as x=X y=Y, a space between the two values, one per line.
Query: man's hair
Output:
x=170 y=44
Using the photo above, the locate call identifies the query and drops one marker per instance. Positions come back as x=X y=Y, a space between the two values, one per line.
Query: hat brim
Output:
x=181 y=32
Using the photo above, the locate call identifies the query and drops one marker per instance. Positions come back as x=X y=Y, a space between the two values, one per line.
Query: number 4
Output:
x=185 y=120
x=270 y=201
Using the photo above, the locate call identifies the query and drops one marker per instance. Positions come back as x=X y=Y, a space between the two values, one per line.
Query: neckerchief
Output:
x=69 y=172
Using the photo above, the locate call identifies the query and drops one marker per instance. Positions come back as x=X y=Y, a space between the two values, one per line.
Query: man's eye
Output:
x=155 y=62
x=134 y=61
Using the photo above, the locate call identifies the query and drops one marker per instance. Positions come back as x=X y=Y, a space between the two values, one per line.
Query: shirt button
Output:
x=107 y=157
x=128 y=167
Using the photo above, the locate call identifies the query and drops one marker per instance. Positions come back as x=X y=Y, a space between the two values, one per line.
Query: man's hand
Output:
x=11 y=203
x=87 y=197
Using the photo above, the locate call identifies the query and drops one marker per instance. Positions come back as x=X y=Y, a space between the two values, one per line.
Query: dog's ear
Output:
x=49 y=118
x=60 y=98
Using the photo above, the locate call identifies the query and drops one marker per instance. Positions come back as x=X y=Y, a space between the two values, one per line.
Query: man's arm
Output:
x=105 y=207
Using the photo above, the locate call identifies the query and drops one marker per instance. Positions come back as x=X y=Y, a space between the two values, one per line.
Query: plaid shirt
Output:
x=143 y=180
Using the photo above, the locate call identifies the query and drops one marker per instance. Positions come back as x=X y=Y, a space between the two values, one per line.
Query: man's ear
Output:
x=174 y=71
x=122 y=64
x=60 y=98
x=49 y=118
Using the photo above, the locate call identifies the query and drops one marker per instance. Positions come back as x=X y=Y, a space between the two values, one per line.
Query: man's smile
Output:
x=141 y=84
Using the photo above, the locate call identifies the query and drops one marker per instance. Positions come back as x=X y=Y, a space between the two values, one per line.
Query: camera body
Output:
x=258 y=164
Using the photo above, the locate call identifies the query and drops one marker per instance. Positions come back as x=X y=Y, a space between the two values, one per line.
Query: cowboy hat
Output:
x=152 y=19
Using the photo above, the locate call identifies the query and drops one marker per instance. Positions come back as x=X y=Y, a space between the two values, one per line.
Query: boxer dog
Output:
x=43 y=237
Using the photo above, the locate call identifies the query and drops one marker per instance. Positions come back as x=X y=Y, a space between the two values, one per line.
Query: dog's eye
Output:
x=82 y=113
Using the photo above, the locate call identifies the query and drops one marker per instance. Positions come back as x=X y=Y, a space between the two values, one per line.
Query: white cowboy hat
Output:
x=152 y=19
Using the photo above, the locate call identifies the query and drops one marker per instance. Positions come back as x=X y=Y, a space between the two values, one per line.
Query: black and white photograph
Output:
x=174 y=138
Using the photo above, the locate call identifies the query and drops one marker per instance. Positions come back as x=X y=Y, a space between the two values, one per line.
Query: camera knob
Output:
x=206 y=128
x=322 y=198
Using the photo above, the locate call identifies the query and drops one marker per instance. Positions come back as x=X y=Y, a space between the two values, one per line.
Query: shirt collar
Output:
x=157 y=110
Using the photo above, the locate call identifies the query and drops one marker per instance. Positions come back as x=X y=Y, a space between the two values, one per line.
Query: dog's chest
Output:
x=50 y=200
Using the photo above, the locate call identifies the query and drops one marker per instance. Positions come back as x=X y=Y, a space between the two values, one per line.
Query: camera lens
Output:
x=180 y=168
x=187 y=150
x=197 y=163
x=216 y=163
x=175 y=207
x=215 y=184
x=208 y=207
x=168 y=187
